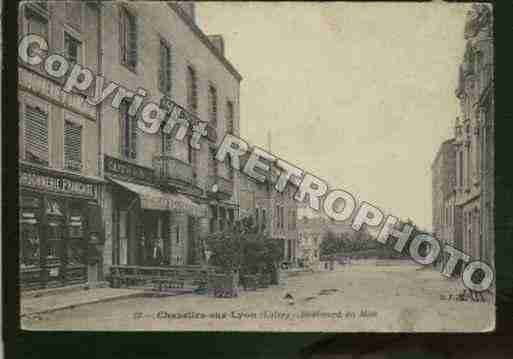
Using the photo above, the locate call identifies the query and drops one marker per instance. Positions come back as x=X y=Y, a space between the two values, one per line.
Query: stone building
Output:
x=95 y=190
x=60 y=227
x=274 y=212
x=446 y=216
x=312 y=229
x=474 y=136
x=162 y=193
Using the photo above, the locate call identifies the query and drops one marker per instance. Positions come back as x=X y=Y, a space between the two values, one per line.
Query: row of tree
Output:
x=361 y=242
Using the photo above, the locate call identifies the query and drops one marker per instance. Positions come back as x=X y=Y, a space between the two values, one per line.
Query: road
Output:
x=357 y=297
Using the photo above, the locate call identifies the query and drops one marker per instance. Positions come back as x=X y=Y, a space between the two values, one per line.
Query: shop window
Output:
x=36 y=135
x=128 y=38
x=73 y=48
x=72 y=146
x=30 y=242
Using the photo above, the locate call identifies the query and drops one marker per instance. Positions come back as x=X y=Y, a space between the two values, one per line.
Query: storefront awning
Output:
x=153 y=198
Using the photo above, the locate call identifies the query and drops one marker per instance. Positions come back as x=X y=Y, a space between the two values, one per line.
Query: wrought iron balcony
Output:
x=171 y=170
x=219 y=187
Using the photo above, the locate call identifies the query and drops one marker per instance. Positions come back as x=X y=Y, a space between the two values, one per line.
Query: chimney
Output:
x=188 y=7
x=218 y=42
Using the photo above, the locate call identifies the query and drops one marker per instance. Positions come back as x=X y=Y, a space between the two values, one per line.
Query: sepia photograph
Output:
x=256 y=166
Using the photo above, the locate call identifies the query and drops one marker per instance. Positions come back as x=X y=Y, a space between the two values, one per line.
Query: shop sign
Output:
x=128 y=171
x=52 y=91
x=57 y=184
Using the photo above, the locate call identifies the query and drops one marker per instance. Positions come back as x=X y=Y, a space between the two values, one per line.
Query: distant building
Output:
x=274 y=212
x=446 y=216
x=312 y=228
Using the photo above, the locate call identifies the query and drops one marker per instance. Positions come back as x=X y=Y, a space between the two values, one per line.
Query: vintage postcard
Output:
x=256 y=166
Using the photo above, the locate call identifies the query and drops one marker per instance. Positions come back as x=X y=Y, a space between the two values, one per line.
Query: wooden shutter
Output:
x=168 y=69
x=122 y=34
x=132 y=40
x=36 y=135
x=161 y=74
x=72 y=146
x=133 y=135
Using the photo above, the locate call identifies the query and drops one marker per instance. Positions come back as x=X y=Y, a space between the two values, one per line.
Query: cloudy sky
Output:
x=359 y=94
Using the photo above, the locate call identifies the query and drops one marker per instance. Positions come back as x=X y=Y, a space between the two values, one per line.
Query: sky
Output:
x=358 y=94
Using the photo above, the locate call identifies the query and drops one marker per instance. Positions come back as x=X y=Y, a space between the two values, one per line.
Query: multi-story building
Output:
x=95 y=190
x=60 y=182
x=473 y=145
x=162 y=192
x=275 y=212
x=446 y=217
x=313 y=227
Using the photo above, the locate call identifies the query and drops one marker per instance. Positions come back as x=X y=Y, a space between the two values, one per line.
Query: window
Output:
x=72 y=146
x=36 y=135
x=468 y=166
x=192 y=90
x=212 y=105
x=177 y=234
x=460 y=169
x=73 y=48
x=165 y=67
x=128 y=38
x=74 y=13
x=36 y=22
x=128 y=132
x=229 y=118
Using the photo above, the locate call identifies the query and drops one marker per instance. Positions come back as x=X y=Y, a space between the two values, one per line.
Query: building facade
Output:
x=157 y=46
x=97 y=191
x=474 y=136
x=445 y=216
x=275 y=212
x=60 y=227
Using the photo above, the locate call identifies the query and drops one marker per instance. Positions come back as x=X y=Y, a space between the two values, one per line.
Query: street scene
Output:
x=183 y=168
x=416 y=301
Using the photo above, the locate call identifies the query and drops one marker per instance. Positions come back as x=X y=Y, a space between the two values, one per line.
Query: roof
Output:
x=204 y=38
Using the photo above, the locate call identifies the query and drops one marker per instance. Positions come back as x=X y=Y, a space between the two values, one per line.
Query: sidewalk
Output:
x=71 y=299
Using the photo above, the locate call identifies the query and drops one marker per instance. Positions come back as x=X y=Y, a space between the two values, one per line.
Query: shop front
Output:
x=60 y=229
x=150 y=226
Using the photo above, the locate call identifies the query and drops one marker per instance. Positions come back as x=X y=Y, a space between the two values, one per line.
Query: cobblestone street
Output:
x=394 y=297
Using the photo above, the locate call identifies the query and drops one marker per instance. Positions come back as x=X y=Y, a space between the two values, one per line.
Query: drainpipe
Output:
x=99 y=71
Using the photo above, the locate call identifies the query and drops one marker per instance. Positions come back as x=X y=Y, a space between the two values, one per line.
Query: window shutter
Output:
x=161 y=74
x=72 y=146
x=122 y=33
x=36 y=134
x=123 y=129
x=132 y=41
x=133 y=135
x=168 y=69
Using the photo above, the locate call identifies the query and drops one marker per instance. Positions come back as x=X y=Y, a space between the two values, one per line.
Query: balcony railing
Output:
x=220 y=186
x=168 y=168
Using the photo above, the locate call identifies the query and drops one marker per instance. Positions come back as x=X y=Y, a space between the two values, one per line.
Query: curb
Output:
x=75 y=305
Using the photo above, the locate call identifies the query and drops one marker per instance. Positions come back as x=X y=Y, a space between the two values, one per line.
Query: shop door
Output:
x=30 y=243
x=123 y=237
x=54 y=249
